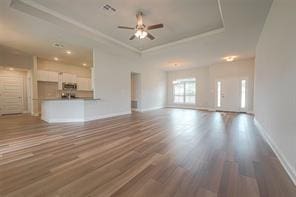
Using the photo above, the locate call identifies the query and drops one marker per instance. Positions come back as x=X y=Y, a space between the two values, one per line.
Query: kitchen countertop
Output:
x=66 y=99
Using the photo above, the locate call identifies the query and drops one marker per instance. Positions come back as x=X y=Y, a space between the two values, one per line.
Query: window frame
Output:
x=218 y=93
x=185 y=81
x=246 y=94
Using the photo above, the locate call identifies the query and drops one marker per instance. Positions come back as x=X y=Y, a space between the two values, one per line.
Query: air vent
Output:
x=108 y=7
x=58 y=45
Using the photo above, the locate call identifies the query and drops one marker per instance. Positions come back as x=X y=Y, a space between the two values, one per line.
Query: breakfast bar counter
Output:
x=67 y=110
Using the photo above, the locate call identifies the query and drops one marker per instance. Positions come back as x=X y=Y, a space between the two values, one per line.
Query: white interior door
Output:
x=229 y=95
x=11 y=95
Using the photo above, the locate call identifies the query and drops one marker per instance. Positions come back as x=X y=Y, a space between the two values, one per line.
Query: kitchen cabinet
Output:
x=69 y=78
x=48 y=76
x=60 y=83
x=84 y=84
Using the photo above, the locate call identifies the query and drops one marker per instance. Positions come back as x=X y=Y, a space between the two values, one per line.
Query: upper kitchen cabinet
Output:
x=69 y=78
x=84 y=84
x=48 y=76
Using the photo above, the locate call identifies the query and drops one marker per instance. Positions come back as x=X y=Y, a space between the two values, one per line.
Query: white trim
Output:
x=221 y=13
x=26 y=5
x=22 y=5
x=35 y=114
x=62 y=120
x=85 y=119
x=151 y=109
x=209 y=33
x=287 y=166
x=204 y=108
x=107 y=116
x=198 y=36
x=251 y=112
x=189 y=107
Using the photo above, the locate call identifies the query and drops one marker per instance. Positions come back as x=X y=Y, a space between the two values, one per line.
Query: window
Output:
x=218 y=93
x=243 y=94
x=184 y=91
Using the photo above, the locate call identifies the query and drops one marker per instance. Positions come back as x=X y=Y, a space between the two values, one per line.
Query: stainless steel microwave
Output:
x=69 y=86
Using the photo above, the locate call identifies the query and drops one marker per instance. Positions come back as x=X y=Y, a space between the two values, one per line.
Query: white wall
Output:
x=13 y=58
x=205 y=81
x=275 y=95
x=112 y=82
x=80 y=71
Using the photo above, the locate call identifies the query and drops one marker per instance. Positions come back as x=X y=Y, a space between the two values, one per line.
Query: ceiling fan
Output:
x=141 y=29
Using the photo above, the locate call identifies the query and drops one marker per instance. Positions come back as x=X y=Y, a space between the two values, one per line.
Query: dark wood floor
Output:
x=169 y=152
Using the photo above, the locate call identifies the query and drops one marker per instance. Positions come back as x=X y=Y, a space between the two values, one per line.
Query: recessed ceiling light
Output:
x=68 y=52
x=230 y=58
x=56 y=59
x=11 y=69
x=84 y=64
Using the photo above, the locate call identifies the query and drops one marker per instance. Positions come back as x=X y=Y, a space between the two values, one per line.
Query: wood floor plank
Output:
x=165 y=153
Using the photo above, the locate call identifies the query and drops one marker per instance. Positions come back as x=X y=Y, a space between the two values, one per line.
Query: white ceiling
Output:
x=35 y=37
x=167 y=12
x=195 y=32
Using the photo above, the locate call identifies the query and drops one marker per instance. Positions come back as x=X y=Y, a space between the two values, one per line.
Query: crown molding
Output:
x=35 y=9
x=184 y=40
x=50 y=15
x=198 y=36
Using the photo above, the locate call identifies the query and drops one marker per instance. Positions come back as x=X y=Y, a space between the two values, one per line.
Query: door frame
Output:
x=138 y=91
x=244 y=110
x=21 y=78
x=239 y=79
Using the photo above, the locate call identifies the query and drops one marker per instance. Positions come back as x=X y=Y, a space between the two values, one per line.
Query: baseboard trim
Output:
x=62 y=120
x=107 y=116
x=287 y=166
x=151 y=109
x=189 y=107
x=251 y=112
x=35 y=114
x=85 y=119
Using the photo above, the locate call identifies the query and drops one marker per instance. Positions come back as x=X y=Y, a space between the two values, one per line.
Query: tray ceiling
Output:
x=181 y=20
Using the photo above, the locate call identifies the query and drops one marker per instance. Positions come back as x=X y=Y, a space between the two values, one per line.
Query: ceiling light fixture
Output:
x=56 y=59
x=230 y=58
x=11 y=69
x=141 y=34
x=84 y=64
x=68 y=52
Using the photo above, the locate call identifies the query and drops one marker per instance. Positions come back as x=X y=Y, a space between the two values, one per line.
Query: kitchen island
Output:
x=69 y=110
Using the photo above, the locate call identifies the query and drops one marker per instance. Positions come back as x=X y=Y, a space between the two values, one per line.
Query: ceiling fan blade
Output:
x=124 y=27
x=132 y=37
x=155 y=26
x=150 y=36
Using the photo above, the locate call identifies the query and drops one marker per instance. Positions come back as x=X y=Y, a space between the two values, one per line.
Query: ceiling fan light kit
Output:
x=141 y=29
x=141 y=34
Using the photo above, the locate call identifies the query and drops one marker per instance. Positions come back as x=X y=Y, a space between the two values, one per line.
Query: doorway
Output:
x=135 y=92
x=11 y=95
x=231 y=94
